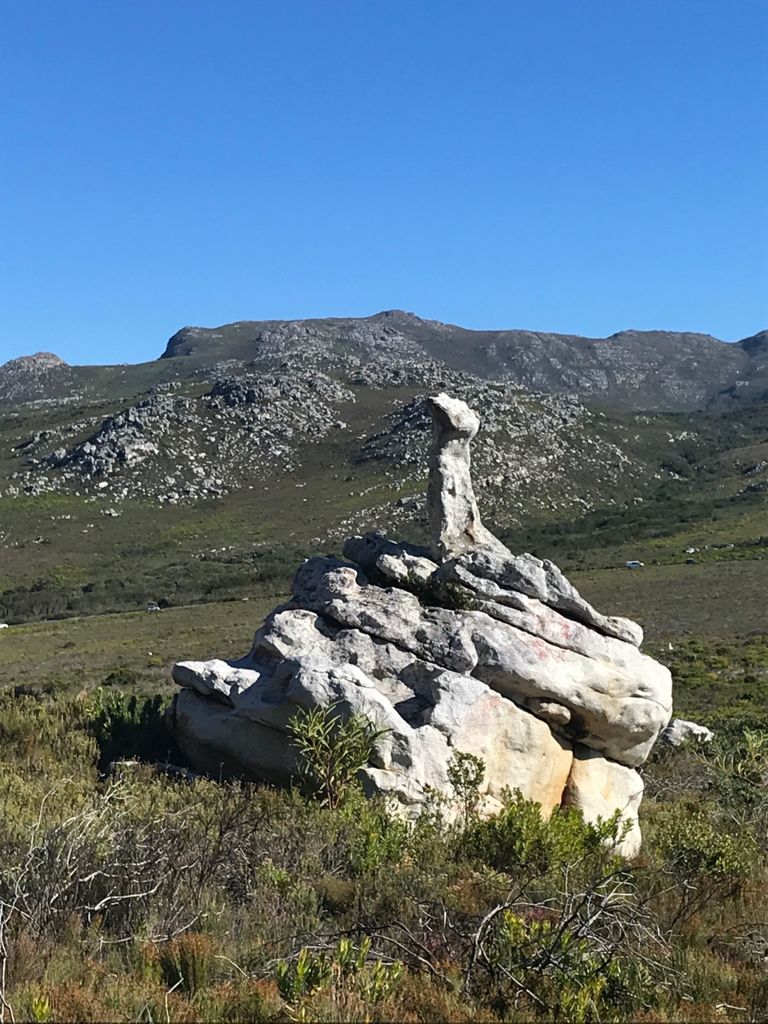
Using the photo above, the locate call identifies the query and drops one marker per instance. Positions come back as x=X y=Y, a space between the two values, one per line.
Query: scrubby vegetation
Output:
x=130 y=890
x=229 y=575
x=722 y=682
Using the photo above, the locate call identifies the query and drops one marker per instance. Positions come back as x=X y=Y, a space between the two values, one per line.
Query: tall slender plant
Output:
x=332 y=749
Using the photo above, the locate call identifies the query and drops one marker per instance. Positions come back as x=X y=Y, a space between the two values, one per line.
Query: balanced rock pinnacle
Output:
x=473 y=555
x=462 y=646
x=454 y=517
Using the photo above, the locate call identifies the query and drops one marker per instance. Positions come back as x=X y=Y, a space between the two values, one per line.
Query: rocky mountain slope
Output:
x=243 y=405
x=313 y=431
x=181 y=444
x=630 y=369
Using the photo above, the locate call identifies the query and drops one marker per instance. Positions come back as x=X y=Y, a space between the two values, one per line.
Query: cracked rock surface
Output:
x=460 y=647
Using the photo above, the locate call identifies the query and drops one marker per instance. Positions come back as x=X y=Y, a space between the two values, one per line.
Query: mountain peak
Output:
x=404 y=318
x=756 y=345
x=632 y=332
x=36 y=362
x=397 y=314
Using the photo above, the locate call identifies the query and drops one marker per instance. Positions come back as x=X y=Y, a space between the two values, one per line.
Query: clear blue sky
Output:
x=565 y=165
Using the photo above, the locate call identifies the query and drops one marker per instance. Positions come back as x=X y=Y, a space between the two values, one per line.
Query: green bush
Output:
x=571 y=973
x=332 y=749
x=520 y=838
x=465 y=774
x=126 y=726
x=695 y=847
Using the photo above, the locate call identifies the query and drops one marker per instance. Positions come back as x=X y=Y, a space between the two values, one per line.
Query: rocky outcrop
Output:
x=179 y=448
x=34 y=379
x=459 y=647
x=40 y=362
x=680 y=730
x=454 y=517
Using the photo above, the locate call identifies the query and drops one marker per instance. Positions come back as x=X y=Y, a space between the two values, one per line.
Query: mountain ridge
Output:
x=635 y=369
x=631 y=369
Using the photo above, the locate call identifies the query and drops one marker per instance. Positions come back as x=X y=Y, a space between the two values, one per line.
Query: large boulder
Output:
x=425 y=715
x=459 y=647
x=617 y=705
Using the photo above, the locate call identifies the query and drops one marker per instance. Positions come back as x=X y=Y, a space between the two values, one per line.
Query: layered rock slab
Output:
x=427 y=713
x=618 y=704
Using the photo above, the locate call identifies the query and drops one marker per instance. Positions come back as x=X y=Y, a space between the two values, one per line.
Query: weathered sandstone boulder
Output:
x=599 y=787
x=459 y=647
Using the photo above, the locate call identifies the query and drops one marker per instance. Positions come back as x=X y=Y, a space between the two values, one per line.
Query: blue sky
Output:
x=565 y=165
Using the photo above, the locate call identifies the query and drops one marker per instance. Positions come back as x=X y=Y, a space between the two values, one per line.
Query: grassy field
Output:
x=132 y=650
x=714 y=599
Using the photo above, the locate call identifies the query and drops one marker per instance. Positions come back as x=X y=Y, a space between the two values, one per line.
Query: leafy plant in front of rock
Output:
x=465 y=775
x=126 y=725
x=519 y=837
x=332 y=749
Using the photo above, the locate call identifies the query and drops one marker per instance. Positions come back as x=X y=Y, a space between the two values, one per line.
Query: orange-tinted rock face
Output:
x=599 y=787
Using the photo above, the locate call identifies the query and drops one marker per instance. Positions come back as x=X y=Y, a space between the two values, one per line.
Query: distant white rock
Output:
x=679 y=730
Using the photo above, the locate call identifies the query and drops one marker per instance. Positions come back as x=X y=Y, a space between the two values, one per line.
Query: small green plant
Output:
x=377 y=840
x=40 y=1010
x=457 y=597
x=122 y=676
x=746 y=759
x=465 y=774
x=345 y=970
x=349 y=959
x=297 y=979
x=351 y=969
x=436 y=591
x=332 y=749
